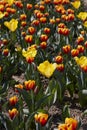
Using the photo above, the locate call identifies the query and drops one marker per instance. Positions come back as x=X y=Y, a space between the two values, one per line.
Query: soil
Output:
x=85 y=4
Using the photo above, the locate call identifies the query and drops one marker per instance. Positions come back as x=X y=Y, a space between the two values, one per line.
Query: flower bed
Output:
x=45 y=41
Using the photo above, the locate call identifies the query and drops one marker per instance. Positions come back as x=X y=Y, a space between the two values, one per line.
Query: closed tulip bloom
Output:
x=43 y=19
x=13 y=100
x=80 y=48
x=43 y=37
x=29 y=59
x=41 y=118
x=31 y=30
x=29 y=38
x=58 y=59
x=5 y=52
x=5 y=41
x=66 y=49
x=13 y=113
x=74 y=52
x=19 y=86
x=18 y=4
x=43 y=45
x=30 y=84
x=47 y=30
x=71 y=123
x=60 y=67
x=23 y=17
x=80 y=39
x=29 y=6
x=84 y=68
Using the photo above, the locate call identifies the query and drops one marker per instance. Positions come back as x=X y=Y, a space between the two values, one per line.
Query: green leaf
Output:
x=78 y=126
x=26 y=97
x=59 y=92
x=29 y=121
x=83 y=97
x=70 y=87
x=66 y=112
x=84 y=113
x=42 y=100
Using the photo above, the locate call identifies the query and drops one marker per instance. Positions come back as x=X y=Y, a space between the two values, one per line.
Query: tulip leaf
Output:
x=59 y=92
x=29 y=121
x=83 y=97
x=66 y=112
x=42 y=100
x=26 y=97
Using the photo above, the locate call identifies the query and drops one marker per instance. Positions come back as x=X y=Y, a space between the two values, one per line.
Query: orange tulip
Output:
x=41 y=118
x=58 y=59
x=13 y=100
x=29 y=38
x=74 y=52
x=31 y=30
x=66 y=49
x=60 y=67
x=13 y=113
x=30 y=84
x=5 y=52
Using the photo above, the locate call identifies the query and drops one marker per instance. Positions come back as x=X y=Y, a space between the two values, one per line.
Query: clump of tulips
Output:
x=44 y=39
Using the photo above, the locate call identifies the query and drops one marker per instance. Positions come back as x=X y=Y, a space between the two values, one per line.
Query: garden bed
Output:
x=43 y=65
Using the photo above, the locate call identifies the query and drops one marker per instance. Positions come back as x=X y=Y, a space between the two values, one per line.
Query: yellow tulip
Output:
x=85 y=24
x=31 y=52
x=11 y=25
x=10 y=2
x=82 y=61
x=76 y=4
x=1 y=15
x=82 y=15
x=47 y=68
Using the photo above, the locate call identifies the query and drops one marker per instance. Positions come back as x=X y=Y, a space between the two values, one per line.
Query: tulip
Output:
x=29 y=85
x=76 y=4
x=13 y=113
x=58 y=59
x=41 y=118
x=71 y=123
x=13 y=100
x=11 y=25
x=47 y=69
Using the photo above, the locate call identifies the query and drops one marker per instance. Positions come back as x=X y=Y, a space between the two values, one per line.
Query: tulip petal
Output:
x=47 y=68
x=76 y=4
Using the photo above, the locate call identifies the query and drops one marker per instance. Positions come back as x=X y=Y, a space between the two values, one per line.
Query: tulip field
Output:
x=43 y=64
